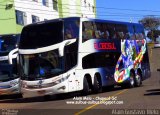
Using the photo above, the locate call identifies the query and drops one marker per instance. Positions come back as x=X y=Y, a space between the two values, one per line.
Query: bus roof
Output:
x=84 y=19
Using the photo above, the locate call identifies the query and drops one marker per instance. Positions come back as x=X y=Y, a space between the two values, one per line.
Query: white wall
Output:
x=36 y=8
x=86 y=10
x=72 y=8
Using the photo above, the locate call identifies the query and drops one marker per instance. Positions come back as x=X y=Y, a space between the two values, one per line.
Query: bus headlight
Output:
x=62 y=79
x=24 y=84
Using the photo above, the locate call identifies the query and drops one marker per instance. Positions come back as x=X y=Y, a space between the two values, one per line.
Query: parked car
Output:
x=157 y=43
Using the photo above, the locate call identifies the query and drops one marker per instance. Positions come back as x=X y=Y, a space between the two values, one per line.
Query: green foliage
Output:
x=151 y=24
x=153 y=34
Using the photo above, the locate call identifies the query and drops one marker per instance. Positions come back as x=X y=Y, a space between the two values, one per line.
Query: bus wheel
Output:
x=138 y=80
x=19 y=95
x=47 y=97
x=86 y=88
x=131 y=82
x=97 y=87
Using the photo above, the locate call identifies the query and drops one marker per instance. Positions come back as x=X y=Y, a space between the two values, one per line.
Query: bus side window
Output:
x=68 y=34
x=97 y=30
x=140 y=32
x=137 y=31
x=121 y=31
x=127 y=35
x=131 y=31
x=104 y=31
x=71 y=29
x=133 y=36
x=87 y=31
x=111 y=30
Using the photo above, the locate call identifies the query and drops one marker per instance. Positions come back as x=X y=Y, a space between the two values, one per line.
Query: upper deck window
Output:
x=41 y=35
x=106 y=30
x=136 y=31
x=71 y=29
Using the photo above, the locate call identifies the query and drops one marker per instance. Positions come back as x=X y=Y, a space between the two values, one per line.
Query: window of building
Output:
x=55 y=5
x=35 y=19
x=93 y=8
x=35 y=0
x=85 y=3
x=20 y=17
x=89 y=5
x=45 y=2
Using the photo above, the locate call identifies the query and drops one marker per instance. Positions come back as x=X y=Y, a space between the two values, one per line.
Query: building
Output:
x=7 y=18
x=14 y=14
x=80 y=8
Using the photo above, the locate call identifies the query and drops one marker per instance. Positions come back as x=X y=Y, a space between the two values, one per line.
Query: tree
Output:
x=151 y=24
x=155 y=33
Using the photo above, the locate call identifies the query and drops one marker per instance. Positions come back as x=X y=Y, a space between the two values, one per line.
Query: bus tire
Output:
x=86 y=88
x=97 y=87
x=131 y=82
x=47 y=97
x=19 y=95
x=138 y=80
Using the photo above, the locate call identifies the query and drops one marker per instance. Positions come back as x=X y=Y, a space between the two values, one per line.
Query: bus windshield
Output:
x=8 y=72
x=41 y=35
x=42 y=65
x=7 y=44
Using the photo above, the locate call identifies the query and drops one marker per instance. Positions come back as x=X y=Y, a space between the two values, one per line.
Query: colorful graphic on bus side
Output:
x=131 y=57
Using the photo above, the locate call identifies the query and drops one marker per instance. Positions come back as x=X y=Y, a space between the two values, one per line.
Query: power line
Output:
x=38 y=9
x=122 y=16
x=126 y=16
x=85 y=10
x=101 y=14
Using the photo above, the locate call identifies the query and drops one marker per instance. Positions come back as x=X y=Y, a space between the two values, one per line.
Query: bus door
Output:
x=70 y=63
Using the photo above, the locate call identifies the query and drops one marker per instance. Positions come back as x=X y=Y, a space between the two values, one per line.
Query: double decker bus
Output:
x=80 y=54
x=9 y=80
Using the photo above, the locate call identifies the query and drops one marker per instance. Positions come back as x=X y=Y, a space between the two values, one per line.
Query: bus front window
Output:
x=42 y=65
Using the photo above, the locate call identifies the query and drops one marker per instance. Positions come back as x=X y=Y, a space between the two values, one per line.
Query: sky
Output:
x=127 y=10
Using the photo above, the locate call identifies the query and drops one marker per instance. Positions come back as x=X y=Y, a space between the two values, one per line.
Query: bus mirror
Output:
x=12 y=55
x=61 y=48
x=63 y=44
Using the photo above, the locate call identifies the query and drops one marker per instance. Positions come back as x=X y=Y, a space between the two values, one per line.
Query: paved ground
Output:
x=145 y=97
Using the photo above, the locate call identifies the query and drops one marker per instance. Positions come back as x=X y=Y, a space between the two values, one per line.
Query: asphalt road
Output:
x=144 y=99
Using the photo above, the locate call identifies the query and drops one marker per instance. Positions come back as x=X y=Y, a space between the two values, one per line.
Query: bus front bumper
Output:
x=9 y=91
x=36 y=92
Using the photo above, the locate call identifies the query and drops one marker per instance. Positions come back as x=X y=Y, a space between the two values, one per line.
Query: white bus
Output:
x=9 y=79
x=79 y=54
